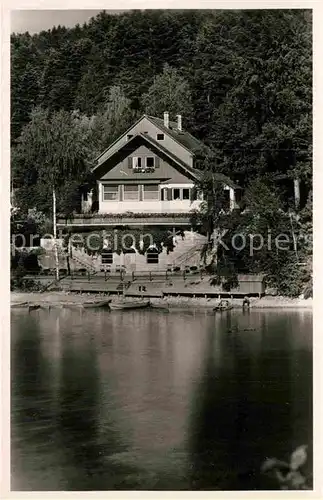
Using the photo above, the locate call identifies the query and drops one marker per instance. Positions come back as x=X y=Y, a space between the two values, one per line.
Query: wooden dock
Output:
x=155 y=287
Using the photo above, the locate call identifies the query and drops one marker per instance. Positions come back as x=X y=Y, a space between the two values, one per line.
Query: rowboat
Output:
x=223 y=306
x=102 y=303
x=128 y=304
x=33 y=307
x=159 y=307
x=19 y=305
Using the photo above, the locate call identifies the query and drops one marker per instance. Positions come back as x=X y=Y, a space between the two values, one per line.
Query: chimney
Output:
x=166 y=119
x=179 y=123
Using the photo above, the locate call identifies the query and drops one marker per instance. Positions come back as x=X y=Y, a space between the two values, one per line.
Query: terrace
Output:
x=125 y=219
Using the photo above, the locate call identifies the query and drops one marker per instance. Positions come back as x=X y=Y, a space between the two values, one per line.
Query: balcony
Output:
x=125 y=219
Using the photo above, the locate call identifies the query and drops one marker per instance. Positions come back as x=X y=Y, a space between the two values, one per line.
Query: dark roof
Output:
x=196 y=173
x=184 y=138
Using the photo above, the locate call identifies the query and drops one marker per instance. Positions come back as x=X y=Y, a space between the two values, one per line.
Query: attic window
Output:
x=136 y=162
x=129 y=136
x=160 y=137
x=150 y=161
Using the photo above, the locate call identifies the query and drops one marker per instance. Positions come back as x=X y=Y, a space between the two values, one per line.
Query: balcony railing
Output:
x=125 y=219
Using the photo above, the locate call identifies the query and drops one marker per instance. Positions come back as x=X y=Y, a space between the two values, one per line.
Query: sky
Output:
x=38 y=20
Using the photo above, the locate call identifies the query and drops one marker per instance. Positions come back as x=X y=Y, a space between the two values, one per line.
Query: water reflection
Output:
x=148 y=400
x=244 y=400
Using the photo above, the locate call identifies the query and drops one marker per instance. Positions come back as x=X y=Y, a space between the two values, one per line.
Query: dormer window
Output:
x=160 y=137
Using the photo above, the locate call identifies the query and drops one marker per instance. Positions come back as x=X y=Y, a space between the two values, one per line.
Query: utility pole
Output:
x=55 y=234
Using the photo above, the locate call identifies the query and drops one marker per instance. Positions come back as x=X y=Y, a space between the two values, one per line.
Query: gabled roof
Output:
x=184 y=138
x=191 y=171
x=196 y=173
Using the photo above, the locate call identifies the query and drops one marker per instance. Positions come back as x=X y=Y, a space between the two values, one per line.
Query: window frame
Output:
x=181 y=193
x=152 y=252
x=110 y=254
x=156 y=191
x=117 y=192
x=146 y=162
x=189 y=194
x=135 y=160
x=125 y=191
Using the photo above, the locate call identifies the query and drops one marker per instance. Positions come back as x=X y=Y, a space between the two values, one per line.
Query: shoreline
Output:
x=65 y=299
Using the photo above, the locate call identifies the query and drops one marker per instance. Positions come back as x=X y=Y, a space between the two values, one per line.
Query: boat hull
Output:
x=104 y=303
x=118 y=306
x=224 y=309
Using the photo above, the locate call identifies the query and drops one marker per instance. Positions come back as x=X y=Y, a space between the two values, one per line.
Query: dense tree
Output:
x=169 y=92
x=262 y=121
x=52 y=150
x=114 y=118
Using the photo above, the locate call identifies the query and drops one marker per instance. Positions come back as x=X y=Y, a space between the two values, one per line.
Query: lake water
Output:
x=153 y=400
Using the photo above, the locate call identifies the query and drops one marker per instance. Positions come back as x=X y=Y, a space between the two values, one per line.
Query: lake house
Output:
x=149 y=170
x=147 y=178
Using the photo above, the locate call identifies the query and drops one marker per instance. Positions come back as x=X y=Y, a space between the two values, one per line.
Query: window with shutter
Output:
x=150 y=162
x=136 y=162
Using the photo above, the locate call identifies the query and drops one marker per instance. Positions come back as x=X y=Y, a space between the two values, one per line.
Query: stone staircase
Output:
x=78 y=260
x=187 y=252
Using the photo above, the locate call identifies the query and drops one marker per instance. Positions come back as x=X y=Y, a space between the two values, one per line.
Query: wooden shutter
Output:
x=157 y=162
x=120 y=192
x=141 y=195
x=129 y=162
x=169 y=194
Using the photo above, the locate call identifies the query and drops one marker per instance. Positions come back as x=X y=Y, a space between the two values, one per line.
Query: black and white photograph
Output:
x=161 y=276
